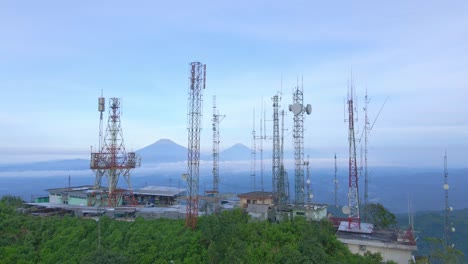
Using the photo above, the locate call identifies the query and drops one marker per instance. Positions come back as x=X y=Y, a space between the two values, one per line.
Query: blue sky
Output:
x=56 y=56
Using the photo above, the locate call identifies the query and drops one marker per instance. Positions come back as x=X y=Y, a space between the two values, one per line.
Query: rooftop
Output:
x=388 y=238
x=160 y=191
x=256 y=194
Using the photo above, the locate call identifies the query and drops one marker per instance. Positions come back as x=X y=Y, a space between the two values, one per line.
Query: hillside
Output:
x=227 y=238
x=430 y=224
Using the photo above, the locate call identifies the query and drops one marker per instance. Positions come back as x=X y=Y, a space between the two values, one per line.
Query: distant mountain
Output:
x=72 y=164
x=236 y=152
x=163 y=150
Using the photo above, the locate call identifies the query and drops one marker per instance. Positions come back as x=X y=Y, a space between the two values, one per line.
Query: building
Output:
x=314 y=212
x=258 y=211
x=158 y=195
x=390 y=243
x=79 y=195
x=255 y=198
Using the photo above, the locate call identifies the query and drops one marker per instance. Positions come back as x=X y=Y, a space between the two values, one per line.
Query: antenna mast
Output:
x=283 y=180
x=354 y=220
x=217 y=118
x=276 y=152
x=309 y=193
x=280 y=195
x=367 y=130
x=197 y=79
x=112 y=160
x=298 y=110
x=447 y=226
x=253 y=155
x=336 y=184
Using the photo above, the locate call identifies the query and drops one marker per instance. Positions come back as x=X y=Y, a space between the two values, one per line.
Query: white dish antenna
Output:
x=296 y=108
x=308 y=181
x=345 y=210
x=184 y=177
x=446 y=186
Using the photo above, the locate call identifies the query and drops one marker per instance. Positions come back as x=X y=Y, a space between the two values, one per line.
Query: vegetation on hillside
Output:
x=429 y=231
x=227 y=238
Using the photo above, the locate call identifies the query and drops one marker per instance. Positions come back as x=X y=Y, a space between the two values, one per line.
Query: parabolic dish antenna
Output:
x=308 y=109
x=311 y=196
x=308 y=181
x=446 y=186
x=345 y=210
x=295 y=108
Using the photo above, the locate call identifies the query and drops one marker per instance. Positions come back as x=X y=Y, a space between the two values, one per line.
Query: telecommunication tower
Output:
x=197 y=82
x=280 y=195
x=283 y=179
x=253 y=156
x=336 y=184
x=101 y=108
x=298 y=110
x=448 y=226
x=367 y=129
x=217 y=118
x=112 y=160
x=308 y=181
x=354 y=220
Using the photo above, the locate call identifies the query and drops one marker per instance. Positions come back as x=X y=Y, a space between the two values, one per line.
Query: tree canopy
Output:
x=226 y=238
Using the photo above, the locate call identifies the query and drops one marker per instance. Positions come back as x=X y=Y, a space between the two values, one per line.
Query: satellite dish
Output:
x=311 y=196
x=450 y=209
x=345 y=210
x=98 y=196
x=308 y=181
x=452 y=229
x=184 y=177
x=446 y=186
x=296 y=108
x=308 y=109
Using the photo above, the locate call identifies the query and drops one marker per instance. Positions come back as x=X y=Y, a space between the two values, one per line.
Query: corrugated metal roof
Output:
x=160 y=191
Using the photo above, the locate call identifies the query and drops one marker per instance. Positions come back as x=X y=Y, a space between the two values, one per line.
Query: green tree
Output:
x=380 y=216
x=440 y=253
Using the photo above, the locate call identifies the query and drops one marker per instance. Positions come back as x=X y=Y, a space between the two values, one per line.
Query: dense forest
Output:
x=227 y=238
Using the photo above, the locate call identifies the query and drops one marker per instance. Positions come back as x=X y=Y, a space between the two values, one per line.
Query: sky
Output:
x=57 y=56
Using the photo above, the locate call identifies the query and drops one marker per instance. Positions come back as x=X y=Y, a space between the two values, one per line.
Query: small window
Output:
x=362 y=247
x=248 y=201
x=254 y=201
x=300 y=213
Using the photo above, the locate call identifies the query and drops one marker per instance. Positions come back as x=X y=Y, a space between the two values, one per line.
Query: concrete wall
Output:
x=398 y=255
x=77 y=201
x=55 y=198
x=245 y=201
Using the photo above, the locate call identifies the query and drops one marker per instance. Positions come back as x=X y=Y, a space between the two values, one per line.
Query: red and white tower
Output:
x=354 y=220
x=112 y=160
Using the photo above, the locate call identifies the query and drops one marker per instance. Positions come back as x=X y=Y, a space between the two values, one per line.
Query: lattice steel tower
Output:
x=217 y=118
x=283 y=179
x=112 y=160
x=276 y=164
x=197 y=78
x=354 y=220
x=298 y=110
